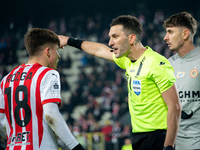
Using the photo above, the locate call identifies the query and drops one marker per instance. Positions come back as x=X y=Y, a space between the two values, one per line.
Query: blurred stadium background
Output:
x=94 y=93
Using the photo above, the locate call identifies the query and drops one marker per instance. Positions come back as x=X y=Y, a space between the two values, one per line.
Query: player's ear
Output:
x=186 y=34
x=132 y=39
x=47 y=51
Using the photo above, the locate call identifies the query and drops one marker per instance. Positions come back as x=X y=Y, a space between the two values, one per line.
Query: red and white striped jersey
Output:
x=25 y=90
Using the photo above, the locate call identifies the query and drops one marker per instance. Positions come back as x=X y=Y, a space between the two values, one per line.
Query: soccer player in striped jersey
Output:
x=153 y=100
x=180 y=31
x=30 y=98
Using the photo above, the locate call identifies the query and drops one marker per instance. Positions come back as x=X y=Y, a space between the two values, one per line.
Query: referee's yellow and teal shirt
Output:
x=147 y=78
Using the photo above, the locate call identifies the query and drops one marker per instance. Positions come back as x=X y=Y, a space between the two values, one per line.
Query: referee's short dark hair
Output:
x=131 y=25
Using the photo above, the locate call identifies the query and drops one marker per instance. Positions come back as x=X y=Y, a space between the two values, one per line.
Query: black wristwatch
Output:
x=168 y=147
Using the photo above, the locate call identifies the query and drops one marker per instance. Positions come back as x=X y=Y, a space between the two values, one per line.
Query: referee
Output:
x=153 y=101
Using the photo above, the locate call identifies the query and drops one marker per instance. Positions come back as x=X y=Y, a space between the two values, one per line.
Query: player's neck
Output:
x=37 y=60
x=185 y=49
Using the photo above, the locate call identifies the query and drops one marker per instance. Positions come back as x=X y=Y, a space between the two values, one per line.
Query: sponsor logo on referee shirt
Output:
x=193 y=73
x=137 y=87
x=180 y=74
x=162 y=63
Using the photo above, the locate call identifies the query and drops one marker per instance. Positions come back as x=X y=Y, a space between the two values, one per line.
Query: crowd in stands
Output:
x=103 y=90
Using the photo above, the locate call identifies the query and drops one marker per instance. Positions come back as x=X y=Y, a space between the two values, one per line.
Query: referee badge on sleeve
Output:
x=137 y=87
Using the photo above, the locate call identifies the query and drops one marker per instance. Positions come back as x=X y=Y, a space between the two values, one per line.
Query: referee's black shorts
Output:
x=153 y=140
